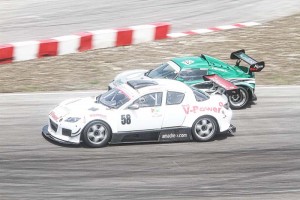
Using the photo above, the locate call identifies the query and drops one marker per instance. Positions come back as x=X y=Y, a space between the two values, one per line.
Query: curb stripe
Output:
x=27 y=50
x=213 y=29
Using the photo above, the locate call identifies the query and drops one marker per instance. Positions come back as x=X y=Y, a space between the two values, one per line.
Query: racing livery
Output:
x=141 y=111
x=191 y=70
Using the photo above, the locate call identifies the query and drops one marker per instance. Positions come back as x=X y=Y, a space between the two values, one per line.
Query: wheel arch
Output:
x=247 y=86
x=92 y=121
x=211 y=116
x=197 y=137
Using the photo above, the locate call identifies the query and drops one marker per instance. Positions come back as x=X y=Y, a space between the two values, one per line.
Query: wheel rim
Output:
x=205 y=128
x=97 y=133
x=238 y=100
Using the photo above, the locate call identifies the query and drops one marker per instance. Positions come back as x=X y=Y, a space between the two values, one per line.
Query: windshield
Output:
x=167 y=70
x=113 y=98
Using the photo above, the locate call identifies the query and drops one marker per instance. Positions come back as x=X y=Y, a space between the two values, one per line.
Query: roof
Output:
x=137 y=84
x=161 y=85
x=190 y=62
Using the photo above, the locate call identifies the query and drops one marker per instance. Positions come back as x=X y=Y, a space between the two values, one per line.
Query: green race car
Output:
x=191 y=70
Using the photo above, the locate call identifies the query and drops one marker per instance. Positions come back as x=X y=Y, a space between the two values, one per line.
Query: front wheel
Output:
x=96 y=134
x=239 y=100
x=204 y=128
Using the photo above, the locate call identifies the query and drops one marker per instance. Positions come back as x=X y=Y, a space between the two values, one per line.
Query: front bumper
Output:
x=48 y=135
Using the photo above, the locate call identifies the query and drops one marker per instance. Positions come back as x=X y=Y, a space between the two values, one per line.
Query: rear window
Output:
x=174 y=98
x=200 y=95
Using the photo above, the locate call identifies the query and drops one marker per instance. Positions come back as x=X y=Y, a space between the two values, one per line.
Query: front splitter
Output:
x=46 y=133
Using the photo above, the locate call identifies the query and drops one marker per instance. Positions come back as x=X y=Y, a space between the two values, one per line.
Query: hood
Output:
x=77 y=107
x=130 y=75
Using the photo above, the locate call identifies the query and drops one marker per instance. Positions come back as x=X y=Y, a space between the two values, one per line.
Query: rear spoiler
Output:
x=255 y=66
x=229 y=87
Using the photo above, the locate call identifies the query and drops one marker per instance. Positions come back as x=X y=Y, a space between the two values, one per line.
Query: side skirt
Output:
x=174 y=134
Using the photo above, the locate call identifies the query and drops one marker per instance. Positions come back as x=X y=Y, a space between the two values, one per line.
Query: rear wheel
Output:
x=96 y=134
x=239 y=100
x=204 y=128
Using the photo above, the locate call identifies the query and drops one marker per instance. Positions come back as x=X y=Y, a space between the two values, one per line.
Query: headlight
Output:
x=72 y=119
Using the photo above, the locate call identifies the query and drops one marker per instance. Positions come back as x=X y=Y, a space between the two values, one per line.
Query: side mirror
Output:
x=134 y=106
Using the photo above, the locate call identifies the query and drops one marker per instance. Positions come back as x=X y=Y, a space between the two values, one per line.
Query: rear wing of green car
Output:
x=255 y=66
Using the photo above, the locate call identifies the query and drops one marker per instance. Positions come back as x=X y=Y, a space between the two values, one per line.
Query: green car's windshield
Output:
x=113 y=98
x=167 y=70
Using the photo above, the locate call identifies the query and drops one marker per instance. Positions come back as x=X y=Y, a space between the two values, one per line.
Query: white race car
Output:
x=141 y=111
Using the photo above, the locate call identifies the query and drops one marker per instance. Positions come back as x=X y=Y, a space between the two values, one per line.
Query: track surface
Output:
x=260 y=162
x=34 y=19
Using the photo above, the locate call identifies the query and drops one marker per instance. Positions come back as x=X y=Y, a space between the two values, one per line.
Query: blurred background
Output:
x=35 y=20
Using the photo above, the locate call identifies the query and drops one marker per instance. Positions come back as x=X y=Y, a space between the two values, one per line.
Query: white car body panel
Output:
x=143 y=118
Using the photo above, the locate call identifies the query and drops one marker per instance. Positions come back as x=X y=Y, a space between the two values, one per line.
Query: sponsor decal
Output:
x=156 y=112
x=174 y=135
x=194 y=109
x=219 y=69
x=97 y=116
x=181 y=134
x=188 y=62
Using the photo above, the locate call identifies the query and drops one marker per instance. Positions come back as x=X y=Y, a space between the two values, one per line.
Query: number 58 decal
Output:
x=125 y=119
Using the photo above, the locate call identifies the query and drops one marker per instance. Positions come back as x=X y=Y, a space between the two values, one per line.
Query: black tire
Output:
x=239 y=101
x=96 y=134
x=204 y=129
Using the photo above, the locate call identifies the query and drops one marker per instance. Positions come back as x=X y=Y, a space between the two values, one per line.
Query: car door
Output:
x=145 y=114
x=174 y=113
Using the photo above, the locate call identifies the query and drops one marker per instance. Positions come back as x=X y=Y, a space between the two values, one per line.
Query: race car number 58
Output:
x=125 y=119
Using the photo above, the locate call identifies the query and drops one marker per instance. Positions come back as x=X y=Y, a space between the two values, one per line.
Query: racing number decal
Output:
x=125 y=119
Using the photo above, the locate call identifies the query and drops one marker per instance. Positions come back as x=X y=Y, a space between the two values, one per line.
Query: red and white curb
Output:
x=212 y=29
x=27 y=50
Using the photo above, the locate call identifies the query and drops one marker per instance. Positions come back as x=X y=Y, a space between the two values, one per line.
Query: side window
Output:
x=150 y=100
x=192 y=74
x=174 y=98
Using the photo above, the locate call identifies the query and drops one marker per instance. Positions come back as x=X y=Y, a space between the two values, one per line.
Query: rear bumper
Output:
x=231 y=129
x=46 y=133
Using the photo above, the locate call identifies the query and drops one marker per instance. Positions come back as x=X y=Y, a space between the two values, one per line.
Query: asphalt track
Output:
x=260 y=162
x=23 y=20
